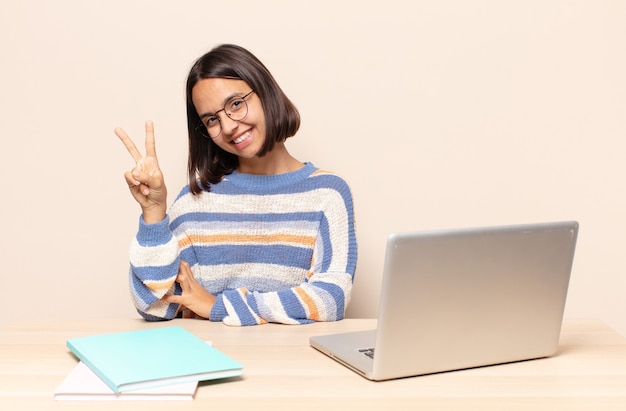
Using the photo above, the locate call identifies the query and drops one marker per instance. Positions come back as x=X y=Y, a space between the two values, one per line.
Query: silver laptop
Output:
x=463 y=298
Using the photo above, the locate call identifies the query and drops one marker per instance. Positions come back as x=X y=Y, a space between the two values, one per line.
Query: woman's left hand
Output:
x=194 y=297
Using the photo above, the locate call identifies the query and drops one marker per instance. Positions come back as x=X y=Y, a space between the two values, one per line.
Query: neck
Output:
x=277 y=161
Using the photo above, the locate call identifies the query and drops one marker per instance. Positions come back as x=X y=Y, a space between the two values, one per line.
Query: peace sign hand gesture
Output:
x=145 y=180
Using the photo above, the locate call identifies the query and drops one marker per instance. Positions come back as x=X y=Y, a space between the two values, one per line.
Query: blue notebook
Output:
x=154 y=357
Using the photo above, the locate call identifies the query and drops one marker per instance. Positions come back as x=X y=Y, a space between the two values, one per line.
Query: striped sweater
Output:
x=278 y=248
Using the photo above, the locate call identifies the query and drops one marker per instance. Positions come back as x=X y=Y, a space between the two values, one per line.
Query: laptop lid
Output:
x=461 y=298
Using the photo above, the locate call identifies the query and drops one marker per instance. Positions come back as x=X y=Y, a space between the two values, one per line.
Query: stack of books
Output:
x=164 y=363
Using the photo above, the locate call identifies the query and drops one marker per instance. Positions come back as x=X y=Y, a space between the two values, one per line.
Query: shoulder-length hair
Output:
x=208 y=163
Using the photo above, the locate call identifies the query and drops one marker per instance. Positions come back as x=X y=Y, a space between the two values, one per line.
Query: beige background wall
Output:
x=439 y=113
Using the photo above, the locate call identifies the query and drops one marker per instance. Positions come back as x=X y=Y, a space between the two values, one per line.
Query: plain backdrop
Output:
x=440 y=114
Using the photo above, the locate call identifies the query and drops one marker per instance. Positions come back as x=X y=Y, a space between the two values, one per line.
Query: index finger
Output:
x=150 y=144
x=130 y=146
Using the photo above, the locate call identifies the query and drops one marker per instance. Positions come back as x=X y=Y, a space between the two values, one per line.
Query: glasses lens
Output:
x=213 y=127
x=201 y=128
x=236 y=109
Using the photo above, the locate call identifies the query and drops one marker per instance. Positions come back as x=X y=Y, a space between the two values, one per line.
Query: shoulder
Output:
x=185 y=191
x=329 y=185
x=186 y=201
x=324 y=178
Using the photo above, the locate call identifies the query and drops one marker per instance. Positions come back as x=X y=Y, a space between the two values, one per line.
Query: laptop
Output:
x=463 y=298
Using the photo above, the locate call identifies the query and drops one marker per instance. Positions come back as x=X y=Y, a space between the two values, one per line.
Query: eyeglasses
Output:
x=236 y=109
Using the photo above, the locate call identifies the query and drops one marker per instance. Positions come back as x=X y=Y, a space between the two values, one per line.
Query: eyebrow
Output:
x=226 y=100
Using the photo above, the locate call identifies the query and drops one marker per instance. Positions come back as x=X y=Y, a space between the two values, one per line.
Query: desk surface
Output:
x=283 y=372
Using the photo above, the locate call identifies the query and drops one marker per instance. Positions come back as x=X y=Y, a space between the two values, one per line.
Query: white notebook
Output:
x=82 y=384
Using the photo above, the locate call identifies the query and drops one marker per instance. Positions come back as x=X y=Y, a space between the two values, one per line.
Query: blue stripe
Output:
x=327 y=245
x=218 y=312
x=252 y=302
x=311 y=182
x=240 y=307
x=259 y=254
x=352 y=256
x=189 y=255
x=292 y=305
x=149 y=317
x=152 y=235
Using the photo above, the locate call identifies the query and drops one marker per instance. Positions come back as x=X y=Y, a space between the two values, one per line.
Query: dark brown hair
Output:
x=208 y=163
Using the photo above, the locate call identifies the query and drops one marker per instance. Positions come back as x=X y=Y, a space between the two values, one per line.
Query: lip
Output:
x=242 y=140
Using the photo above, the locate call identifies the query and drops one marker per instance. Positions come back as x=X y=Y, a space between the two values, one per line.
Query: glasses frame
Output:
x=204 y=131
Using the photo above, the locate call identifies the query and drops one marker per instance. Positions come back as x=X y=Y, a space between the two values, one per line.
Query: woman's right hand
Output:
x=145 y=180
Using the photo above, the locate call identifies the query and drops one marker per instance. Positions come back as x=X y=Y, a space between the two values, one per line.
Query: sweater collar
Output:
x=253 y=181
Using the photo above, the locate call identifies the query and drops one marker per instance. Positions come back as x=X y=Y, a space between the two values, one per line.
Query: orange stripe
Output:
x=321 y=171
x=313 y=313
x=159 y=285
x=250 y=238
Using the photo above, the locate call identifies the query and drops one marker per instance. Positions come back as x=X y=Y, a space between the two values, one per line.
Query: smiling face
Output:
x=243 y=138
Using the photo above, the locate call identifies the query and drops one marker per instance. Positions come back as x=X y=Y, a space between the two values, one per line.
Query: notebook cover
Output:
x=150 y=358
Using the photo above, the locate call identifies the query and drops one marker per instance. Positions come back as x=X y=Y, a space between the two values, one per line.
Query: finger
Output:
x=183 y=281
x=131 y=180
x=143 y=173
x=145 y=190
x=172 y=299
x=130 y=146
x=184 y=273
x=185 y=276
x=150 y=144
x=145 y=181
x=184 y=270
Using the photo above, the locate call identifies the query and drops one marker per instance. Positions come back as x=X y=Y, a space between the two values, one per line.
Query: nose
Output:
x=228 y=124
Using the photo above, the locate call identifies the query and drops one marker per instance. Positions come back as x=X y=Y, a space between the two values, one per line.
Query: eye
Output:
x=236 y=104
x=211 y=121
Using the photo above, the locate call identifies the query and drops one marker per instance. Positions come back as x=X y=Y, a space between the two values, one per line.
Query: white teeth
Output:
x=241 y=138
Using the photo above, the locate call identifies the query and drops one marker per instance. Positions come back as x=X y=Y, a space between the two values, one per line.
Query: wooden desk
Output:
x=283 y=372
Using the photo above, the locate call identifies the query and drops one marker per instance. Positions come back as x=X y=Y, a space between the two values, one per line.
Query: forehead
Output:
x=210 y=94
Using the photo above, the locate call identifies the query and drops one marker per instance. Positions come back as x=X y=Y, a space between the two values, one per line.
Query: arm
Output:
x=154 y=251
x=154 y=265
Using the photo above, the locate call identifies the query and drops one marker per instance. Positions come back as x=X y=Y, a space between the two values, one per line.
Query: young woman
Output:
x=257 y=236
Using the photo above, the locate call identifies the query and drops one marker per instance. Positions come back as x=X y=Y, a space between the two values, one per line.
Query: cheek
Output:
x=256 y=115
x=260 y=122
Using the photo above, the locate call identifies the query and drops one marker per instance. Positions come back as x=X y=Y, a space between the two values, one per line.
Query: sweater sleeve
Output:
x=325 y=293
x=154 y=263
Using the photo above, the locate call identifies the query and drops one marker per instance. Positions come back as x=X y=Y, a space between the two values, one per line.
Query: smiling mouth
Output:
x=241 y=138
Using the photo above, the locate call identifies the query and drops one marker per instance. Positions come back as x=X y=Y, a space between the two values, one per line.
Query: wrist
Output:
x=153 y=216
x=218 y=310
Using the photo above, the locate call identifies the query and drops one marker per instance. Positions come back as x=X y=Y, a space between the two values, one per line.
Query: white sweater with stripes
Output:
x=279 y=248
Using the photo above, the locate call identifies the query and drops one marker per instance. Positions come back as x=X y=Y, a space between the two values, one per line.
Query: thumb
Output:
x=172 y=299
